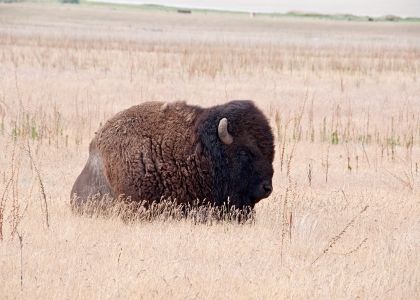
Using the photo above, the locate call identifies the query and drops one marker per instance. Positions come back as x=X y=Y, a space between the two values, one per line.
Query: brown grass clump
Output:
x=342 y=221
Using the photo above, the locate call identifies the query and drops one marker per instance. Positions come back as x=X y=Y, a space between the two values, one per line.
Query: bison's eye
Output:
x=245 y=155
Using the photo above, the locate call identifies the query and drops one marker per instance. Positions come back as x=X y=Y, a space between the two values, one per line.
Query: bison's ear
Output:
x=223 y=132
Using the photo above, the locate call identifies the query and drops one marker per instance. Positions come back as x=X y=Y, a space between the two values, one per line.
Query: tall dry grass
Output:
x=343 y=101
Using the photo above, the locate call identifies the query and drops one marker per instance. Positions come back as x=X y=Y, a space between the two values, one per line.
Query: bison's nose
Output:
x=267 y=188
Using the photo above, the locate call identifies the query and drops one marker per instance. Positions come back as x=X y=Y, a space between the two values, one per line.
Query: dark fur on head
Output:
x=239 y=168
x=157 y=151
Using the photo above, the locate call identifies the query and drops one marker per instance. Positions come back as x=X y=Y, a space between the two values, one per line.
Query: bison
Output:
x=184 y=153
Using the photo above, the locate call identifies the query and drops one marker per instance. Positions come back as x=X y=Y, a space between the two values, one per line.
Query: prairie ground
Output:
x=343 y=99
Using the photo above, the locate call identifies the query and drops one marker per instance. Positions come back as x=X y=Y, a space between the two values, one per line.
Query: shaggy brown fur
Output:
x=157 y=151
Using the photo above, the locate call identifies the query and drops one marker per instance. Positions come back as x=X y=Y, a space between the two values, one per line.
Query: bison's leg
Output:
x=91 y=188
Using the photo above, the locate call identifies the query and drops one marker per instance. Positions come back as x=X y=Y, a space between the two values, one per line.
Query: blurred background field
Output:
x=343 y=100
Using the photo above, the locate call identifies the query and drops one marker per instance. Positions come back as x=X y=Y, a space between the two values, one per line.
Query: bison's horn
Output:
x=223 y=132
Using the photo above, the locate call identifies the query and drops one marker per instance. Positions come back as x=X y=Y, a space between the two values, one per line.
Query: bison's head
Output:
x=243 y=153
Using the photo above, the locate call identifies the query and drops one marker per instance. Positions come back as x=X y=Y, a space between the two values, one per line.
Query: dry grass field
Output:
x=343 y=99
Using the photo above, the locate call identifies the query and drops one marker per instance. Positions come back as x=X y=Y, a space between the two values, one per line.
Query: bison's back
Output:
x=148 y=151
